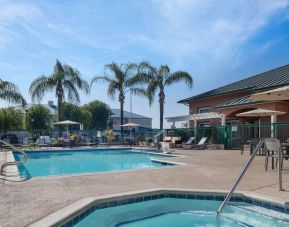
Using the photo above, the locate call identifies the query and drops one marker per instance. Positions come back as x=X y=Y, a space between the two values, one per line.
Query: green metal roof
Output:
x=264 y=81
x=237 y=102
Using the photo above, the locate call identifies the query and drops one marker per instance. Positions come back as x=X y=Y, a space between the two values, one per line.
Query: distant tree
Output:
x=77 y=113
x=38 y=117
x=63 y=79
x=122 y=79
x=10 y=119
x=99 y=114
x=158 y=79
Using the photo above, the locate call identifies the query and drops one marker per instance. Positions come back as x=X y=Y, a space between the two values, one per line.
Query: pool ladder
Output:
x=157 y=138
x=257 y=148
x=20 y=162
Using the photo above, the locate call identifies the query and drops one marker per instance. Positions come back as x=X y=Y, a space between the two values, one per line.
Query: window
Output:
x=205 y=109
x=204 y=124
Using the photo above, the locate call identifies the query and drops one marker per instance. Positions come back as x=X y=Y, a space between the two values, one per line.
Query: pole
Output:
x=130 y=132
x=259 y=127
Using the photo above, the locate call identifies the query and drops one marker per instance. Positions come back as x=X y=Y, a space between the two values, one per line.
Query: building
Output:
x=219 y=106
x=128 y=117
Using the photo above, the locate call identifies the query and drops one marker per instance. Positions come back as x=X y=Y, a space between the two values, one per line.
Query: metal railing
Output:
x=157 y=138
x=228 y=197
x=17 y=162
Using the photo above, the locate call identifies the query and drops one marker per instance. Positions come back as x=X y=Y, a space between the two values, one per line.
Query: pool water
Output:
x=178 y=212
x=48 y=163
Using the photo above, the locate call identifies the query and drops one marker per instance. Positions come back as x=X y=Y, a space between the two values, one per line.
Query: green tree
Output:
x=10 y=119
x=158 y=79
x=64 y=79
x=38 y=117
x=77 y=113
x=9 y=92
x=121 y=79
x=99 y=114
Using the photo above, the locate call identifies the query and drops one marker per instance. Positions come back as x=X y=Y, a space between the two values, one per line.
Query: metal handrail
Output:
x=157 y=138
x=228 y=197
x=20 y=162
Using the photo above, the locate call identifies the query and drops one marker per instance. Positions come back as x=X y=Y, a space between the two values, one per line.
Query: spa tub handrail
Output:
x=228 y=197
x=19 y=162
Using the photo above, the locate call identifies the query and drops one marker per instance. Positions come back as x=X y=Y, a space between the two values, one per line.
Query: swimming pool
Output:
x=191 y=210
x=48 y=163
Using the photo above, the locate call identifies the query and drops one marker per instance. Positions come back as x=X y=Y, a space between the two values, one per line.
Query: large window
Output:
x=204 y=109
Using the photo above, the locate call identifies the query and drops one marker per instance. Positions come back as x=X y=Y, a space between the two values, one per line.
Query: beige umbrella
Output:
x=130 y=126
x=261 y=113
x=67 y=123
x=277 y=94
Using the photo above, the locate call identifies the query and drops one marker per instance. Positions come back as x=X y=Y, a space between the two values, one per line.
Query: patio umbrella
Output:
x=67 y=123
x=278 y=94
x=130 y=126
x=261 y=113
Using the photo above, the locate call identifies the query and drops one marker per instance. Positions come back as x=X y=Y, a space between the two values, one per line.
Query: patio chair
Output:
x=201 y=145
x=272 y=149
x=189 y=143
x=176 y=141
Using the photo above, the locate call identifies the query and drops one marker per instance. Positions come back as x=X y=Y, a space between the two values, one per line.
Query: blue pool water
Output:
x=84 y=161
x=170 y=212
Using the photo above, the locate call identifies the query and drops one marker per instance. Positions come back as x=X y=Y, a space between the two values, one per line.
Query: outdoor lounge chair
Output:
x=189 y=143
x=201 y=145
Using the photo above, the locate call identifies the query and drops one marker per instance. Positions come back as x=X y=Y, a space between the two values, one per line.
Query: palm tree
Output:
x=158 y=79
x=122 y=79
x=10 y=92
x=63 y=79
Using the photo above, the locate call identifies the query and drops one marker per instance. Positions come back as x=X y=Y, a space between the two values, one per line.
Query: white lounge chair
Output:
x=201 y=145
x=165 y=147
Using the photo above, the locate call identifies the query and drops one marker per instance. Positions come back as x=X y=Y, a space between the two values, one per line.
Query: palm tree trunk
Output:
x=161 y=115
x=162 y=101
x=59 y=108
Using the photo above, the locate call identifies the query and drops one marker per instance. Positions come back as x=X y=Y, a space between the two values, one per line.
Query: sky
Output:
x=216 y=41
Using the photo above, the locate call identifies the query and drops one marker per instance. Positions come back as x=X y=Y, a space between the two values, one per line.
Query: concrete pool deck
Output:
x=23 y=203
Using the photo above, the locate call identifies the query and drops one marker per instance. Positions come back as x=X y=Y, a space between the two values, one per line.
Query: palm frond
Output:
x=41 y=85
x=180 y=76
x=100 y=78
x=139 y=91
x=73 y=95
x=13 y=97
x=151 y=90
x=117 y=72
x=10 y=92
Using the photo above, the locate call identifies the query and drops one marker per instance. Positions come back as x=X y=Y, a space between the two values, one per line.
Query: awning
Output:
x=196 y=117
x=278 y=94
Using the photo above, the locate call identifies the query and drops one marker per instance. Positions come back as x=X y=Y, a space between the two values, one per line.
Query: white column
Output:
x=173 y=125
x=223 y=120
x=273 y=129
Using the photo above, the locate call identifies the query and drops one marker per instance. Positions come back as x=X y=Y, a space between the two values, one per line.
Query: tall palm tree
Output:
x=64 y=79
x=10 y=92
x=122 y=79
x=159 y=79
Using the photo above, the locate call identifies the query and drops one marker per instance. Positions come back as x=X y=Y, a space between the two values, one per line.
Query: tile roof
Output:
x=263 y=81
x=237 y=102
x=126 y=114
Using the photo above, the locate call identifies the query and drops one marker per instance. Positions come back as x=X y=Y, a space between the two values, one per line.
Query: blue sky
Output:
x=217 y=41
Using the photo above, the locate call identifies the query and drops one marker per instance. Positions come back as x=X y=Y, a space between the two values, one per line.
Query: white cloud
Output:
x=212 y=30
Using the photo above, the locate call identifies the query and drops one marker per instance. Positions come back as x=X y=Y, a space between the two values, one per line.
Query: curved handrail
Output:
x=20 y=162
x=228 y=197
